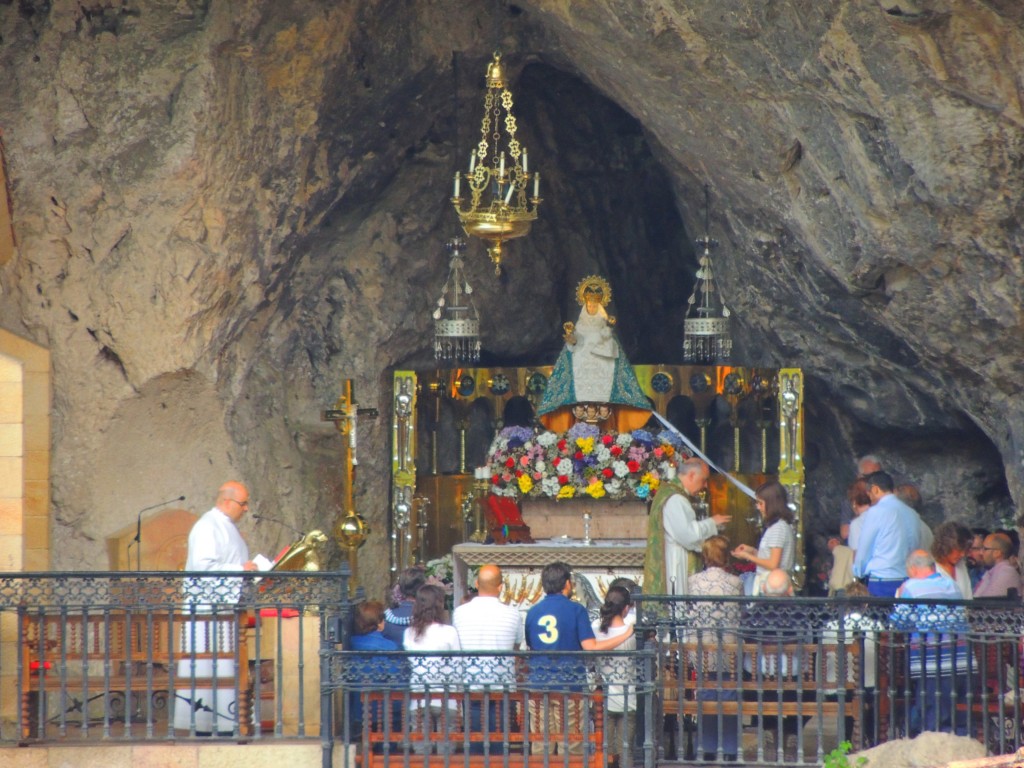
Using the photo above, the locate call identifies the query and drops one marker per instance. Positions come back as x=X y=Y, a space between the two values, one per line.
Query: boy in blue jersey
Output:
x=556 y=623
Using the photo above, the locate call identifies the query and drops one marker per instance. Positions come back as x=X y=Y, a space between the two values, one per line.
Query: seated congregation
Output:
x=726 y=677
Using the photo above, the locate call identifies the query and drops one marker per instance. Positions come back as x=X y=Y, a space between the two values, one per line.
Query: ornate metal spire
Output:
x=456 y=320
x=706 y=334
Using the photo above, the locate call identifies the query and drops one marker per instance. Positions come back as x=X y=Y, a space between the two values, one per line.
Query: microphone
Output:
x=283 y=524
x=137 y=541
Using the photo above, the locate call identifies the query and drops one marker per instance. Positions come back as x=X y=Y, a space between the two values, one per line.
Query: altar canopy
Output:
x=749 y=421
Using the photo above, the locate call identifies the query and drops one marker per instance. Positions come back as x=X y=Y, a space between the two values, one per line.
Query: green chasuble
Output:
x=654 y=558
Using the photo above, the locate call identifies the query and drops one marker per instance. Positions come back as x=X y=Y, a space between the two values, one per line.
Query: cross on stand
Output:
x=351 y=531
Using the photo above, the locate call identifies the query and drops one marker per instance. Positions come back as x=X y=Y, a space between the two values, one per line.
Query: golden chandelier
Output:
x=499 y=207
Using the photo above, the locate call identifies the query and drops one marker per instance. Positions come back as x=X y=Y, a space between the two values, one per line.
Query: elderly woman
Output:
x=715 y=580
x=715 y=624
x=949 y=548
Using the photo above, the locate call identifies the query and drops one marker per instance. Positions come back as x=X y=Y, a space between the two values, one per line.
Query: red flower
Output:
x=519 y=473
x=607 y=472
x=616 y=450
x=562 y=445
x=607 y=439
x=633 y=466
x=510 y=462
x=563 y=479
x=579 y=455
x=495 y=479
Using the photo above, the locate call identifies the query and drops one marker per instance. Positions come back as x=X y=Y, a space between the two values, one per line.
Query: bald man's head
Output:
x=488 y=580
x=777 y=584
x=233 y=499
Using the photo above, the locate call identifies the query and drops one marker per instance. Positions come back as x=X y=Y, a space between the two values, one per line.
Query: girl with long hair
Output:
x=428 y=631
x=619 y=681
x=777 y=548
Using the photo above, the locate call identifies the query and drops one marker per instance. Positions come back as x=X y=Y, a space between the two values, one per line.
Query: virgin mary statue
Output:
x=592 y=370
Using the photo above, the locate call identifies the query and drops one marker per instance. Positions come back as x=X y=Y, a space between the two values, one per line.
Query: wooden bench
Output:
x=392 y=725
x=778 y=680
x=117 y=656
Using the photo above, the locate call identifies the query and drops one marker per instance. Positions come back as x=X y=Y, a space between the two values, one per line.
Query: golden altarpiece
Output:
x=747 y=421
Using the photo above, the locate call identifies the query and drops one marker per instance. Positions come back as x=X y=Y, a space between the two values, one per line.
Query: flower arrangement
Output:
x=581 y=462
x=441 y=571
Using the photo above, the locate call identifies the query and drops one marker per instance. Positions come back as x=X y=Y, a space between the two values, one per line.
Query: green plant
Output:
x=838 y=757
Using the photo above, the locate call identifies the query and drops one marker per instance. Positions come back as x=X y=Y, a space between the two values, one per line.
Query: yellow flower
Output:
x=525 y=483
x=566 y=492
x=585 y=444
x=596 y=490
x=650 y=480
x=669 y=450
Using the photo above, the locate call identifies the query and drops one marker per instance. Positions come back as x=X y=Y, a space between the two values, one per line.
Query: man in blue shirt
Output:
x=556 y=623
x=888 y=535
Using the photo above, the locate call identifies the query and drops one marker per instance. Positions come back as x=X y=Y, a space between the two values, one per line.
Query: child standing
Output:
x=618 y=676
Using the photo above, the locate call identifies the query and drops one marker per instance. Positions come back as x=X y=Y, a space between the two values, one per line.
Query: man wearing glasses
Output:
x=1001 y=576
x=214 y=543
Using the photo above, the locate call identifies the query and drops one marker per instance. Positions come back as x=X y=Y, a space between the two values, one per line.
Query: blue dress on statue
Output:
x=601 y=359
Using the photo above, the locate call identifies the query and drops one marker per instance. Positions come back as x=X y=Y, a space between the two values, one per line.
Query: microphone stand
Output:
x=283 y=524
x=137 y=541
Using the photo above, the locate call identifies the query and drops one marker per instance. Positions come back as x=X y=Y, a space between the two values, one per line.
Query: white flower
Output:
x=547 y=439
x=540 y=466
x=602 y=453
x=620 y=469
x=550 y=486
x=624 y=439
x=612 y=487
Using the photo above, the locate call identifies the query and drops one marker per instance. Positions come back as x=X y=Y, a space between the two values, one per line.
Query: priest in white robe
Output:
x=214 y=543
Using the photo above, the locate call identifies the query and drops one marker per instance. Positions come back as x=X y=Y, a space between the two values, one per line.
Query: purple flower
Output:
x=643 y=437
x=584 y=430
x=672 y=439
x=516 y=436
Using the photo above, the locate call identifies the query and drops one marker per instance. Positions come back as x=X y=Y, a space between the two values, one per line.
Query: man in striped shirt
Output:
x=487 y=624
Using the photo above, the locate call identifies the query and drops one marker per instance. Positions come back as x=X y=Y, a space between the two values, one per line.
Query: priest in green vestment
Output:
x=674 y=534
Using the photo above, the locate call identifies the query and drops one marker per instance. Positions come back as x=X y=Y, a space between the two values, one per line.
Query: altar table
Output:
x=552 y=518
x=594 y=566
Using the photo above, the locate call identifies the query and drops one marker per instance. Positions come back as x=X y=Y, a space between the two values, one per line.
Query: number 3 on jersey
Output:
x=550 y=633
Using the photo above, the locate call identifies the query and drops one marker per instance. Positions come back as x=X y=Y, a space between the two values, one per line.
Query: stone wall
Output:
x=222 y=211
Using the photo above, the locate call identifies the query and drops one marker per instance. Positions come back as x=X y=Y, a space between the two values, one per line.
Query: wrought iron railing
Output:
x=504 y=708
x=165 y=656
x=171 y=656
x=785 y=680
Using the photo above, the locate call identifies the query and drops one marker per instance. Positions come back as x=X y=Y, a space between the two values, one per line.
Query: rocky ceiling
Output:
x=223 y=209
